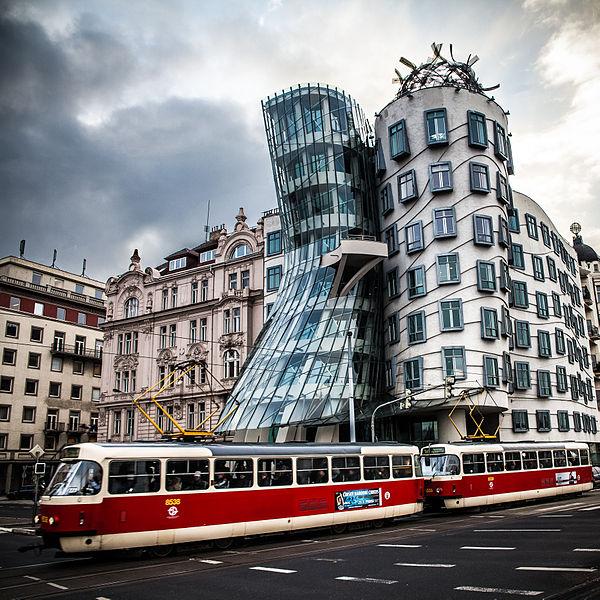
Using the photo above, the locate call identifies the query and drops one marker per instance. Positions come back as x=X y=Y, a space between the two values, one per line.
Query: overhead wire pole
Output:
x=351 y=415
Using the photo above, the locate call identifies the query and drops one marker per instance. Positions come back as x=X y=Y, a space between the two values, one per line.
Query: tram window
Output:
x=274 y=472
x=187 y=475
x=530 y=461
x=346 y=468
x=560 y=458
x=312 y=470
x=512 y=461
x=473 y=463
x=585 y=456
x=418 y=468
x=133 y=476
x=376 y=467
x=80 y=478
x=230 y=474
x=573 y=458
x=545 y=457
x=441 y=464
x=495 y=462
x=401 y=467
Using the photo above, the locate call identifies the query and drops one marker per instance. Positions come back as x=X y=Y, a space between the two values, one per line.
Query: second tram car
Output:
x=462 y=475
x=116 y=496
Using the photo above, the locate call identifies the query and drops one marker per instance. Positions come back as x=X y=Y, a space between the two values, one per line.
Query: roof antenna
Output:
x=54 y=258
x=83 y=270
x=22 y=249
x=207 y=227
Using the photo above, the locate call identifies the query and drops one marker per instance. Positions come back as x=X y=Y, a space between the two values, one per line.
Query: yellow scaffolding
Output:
x=476 y=416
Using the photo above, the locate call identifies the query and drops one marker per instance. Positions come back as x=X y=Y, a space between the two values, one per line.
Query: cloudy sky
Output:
x=119 y=120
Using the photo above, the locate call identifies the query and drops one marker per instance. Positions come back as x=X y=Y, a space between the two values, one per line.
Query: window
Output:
x=11 y=330
x=173 y=297
x=500 y=141
x=516 y=257
x=31 y=387
x=545 y=235
x=233 y=281
x=491 y=378
x=520 y=424
x=56 y=364
x=273 y=278
x=477 y=129
x=531 y=223
x=204 y=290
x=473 y=463
x=132 y=307
x=551 y=268
x=416 y=282
x=236 y=319
x=25 y=441
x=513 y=220
x=4 y=412
x=392 y=328
x=6 y=384
x=392 y=283
x=522 y=334
x=440 y=177
x=232 y=363
x=38 y=309
x=207 y=255
x=245 y=279
x=560 y=341
x=15 y=303
x=379 y=159
x=193 y=331
x=563 y=420
x=54 y=389
x=386 y=199
x=28 y=414
x=444 y=222
x=522 y=376
x=541 y=301
x=413 y=374
x=173 y=335
x=436 y=127
x=480 y=178
x=178 y=263
x=407 y=186
x=390 y=235
x=505 y=282
x=544 y=387
x=414 y=237
x=227 y=321
x=37 y=334
x=451 y=315
x=415 y=327
x=277 y=472
x=9 y=356
x=556 y=305
x=544 y=349
x=486 y=276
x=312 y=470
x=133 y=476
x=448 y=270
x=483 y=229
x=399 y=147
x=453 y=362
x=542 y=418
x=163 y=336
x=538 y=268
x=76 y=392
x=501 y=188
x=203 y=329
x=240 y=250
x=489 y=324
x=78 y=367
x=520 y=297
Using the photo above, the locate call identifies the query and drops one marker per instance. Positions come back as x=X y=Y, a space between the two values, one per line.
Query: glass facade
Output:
x=298 y=372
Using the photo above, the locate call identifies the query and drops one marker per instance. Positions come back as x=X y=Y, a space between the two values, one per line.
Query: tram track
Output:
x=102 y=578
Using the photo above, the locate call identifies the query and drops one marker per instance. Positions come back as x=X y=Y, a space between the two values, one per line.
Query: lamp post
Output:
x=352 y=416
x=405 y=399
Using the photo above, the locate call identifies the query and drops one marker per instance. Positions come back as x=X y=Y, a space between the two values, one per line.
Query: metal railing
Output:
x=76 y=350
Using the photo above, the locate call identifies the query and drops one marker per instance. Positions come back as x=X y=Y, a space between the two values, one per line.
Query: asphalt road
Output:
x=547 y=550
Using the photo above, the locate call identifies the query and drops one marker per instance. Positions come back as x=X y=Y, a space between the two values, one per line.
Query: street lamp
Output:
x=406 y=403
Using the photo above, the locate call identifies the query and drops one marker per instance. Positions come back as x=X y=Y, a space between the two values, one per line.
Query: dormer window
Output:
x=240 y=250
x=178 y=263
x=206 y=256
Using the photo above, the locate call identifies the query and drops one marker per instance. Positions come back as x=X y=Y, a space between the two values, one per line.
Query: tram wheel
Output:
x=378 y=524
x=161 y=551
x=339 y=528
x=223 y=544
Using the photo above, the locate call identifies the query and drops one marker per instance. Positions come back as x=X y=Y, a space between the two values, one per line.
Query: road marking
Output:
x=469 y=588
x=58 y=587
x=102 y=598
x=558 y=509
x=555 y=516
x=432 y=565
x=589 y=508
x=518 y=530
x=272 y=570
x=332 y=560
x=419 y=529
x=566 y=569
x=586 y=550
x=32 y=577
x=399 y=545
x=486 y=548
x=208 y=561
x=367 y=580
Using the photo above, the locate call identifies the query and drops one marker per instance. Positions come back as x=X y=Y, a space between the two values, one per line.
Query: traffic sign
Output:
x=36 y=451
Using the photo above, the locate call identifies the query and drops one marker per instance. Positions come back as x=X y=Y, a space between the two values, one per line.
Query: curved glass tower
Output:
x=298 y=375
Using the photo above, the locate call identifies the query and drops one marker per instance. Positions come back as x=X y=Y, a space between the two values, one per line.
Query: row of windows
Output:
x=31 y=388
x=57 y=282
x=28 y=415
x=55 y=312
x=585 y=423
x=579 y=388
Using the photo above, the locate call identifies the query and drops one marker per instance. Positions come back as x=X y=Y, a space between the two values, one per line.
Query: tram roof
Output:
x=511 y=446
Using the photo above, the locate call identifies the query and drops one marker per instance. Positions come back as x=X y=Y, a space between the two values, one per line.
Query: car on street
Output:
x=596 y=476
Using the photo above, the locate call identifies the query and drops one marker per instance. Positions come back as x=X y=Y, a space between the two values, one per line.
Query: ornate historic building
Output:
x=51 y=363
x=203 y=304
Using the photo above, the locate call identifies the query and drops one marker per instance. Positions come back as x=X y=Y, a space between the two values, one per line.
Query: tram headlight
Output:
x=52 y=520
x=36 y=519
x=438 y=490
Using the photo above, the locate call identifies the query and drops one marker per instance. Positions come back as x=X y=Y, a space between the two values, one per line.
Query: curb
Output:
x=18 y=530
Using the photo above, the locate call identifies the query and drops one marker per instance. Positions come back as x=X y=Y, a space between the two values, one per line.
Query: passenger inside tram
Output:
x=443 y=464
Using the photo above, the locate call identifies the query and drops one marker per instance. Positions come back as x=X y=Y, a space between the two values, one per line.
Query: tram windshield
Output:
x=442 y=464
x=80 y=478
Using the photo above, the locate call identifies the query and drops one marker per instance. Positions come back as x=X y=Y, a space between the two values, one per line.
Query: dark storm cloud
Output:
x=144 y=173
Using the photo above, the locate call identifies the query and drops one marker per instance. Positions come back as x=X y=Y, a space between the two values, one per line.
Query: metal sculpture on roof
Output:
x=440 y=71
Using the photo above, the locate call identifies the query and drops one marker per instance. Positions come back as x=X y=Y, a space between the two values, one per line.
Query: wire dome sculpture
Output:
x=440 y=71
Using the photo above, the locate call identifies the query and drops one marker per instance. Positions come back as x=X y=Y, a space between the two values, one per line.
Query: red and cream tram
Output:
x=113 y=496
x=467 y=474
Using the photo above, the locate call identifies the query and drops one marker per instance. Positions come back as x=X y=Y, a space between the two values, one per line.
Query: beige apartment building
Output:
x=51 y=363
x=203 y=304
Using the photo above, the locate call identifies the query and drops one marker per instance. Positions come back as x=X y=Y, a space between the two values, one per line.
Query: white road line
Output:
x=209 y=561
x=367 y=580
x=566 y=569
x=102 y=598
x=399 y=545
x=518 y=530
x=332 y=560
x=469 y=588
x=58 y=587
x=486 y=548
x=432 y=565
x=586 y=550
x=589 y=508
x=419 y=529
x=555 y=516
x=557 y=509
x=32 y=577
x=272 y=570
